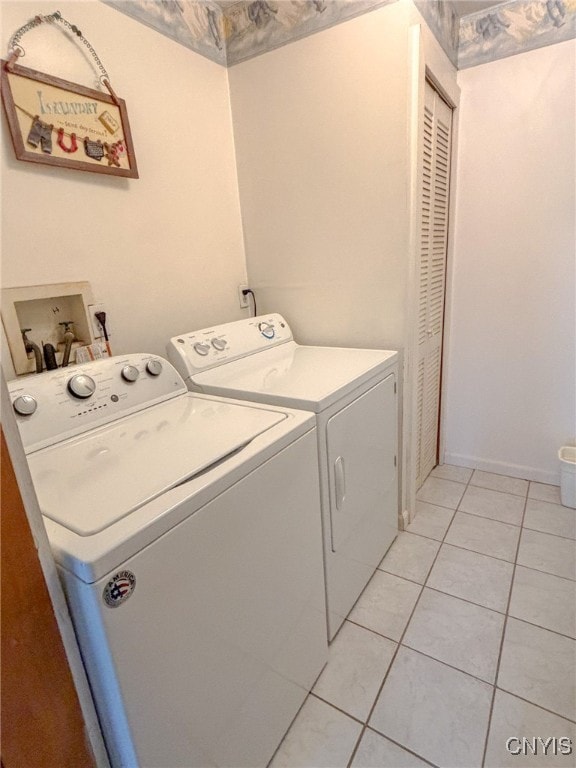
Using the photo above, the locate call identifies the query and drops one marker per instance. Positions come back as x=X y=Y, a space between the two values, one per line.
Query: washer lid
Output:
x=88 y=483
x=296 y=376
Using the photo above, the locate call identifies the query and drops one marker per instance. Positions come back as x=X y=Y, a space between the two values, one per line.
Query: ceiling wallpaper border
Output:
x=248 y=28
x=518 y=26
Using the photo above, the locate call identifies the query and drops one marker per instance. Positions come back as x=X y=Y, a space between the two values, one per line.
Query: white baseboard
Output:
x=503 y=468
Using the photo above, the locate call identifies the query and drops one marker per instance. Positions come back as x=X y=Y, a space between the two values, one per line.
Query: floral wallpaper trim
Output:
x=514 y=27
x=255 y=27
x=245 y=28
x=443 y=21
x=231 y=32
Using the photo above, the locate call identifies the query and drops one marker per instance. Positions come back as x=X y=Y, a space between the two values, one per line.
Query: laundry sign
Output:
x=55 y=122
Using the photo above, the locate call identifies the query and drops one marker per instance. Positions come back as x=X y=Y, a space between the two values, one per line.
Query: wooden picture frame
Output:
x=55 y=122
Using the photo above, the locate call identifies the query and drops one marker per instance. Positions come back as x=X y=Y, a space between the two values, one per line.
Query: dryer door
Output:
x=362 y=445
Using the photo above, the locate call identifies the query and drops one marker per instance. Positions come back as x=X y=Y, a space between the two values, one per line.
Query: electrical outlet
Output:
x=243 y=298
x=97 y=329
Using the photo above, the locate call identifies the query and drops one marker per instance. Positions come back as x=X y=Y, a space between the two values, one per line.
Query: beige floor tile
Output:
x=500 y=482
x=386 y=604
x=540 y=666
x=457 y=632
x=450 y=472
x=320 y=736
x=376 y=751
x=488 y=537
x=550 y=518
x=547 y=553
x=494 y=505
x=471 y=576
x=514 y=718
x=546 y=600
x=443 y=493
x=437 y=712
x=430 y=520
x=544 y=492
x=357 y=662
x=410 y=557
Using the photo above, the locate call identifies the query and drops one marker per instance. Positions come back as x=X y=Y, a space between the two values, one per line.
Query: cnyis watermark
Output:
x=552 y=745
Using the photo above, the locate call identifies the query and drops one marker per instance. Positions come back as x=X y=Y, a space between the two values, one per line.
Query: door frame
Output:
x=427 y=62
x=31 y=526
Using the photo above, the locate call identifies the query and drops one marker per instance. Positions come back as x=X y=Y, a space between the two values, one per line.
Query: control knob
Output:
x=81 y=385
x=219 y=344
x=130 y=373
x=25 y=405
x=267 y=330
x=201 y=348
x=154 y=367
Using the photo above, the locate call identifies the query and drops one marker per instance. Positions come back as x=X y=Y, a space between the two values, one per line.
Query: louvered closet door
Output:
x=432 y=275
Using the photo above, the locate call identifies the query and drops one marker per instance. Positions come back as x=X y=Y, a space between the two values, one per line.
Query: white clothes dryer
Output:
x=186 y=530
x=353 y=394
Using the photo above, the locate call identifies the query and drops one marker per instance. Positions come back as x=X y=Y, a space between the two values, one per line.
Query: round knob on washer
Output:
x=154 y=367
x=267 y=330
x=130 y=373
x=201 y=348
x=25 y=405
x=219 y=344
x=82 y=386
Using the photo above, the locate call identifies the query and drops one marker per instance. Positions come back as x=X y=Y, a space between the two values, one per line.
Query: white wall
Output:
x=325 y=139
x=511 y=389
x=165 y=251
x=321 y=130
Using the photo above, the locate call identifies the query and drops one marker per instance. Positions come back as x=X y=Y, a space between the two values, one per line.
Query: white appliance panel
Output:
x=362 y=465
x=359 y=531
x=187 y=534
x=59 y=414
x=139 y=458
x=210 y=658
x=294 y=376
x=357 y=441
x=197 y=351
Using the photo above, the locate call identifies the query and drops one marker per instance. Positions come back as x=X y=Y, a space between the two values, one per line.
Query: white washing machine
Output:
x=186 y=530
x=353 y=394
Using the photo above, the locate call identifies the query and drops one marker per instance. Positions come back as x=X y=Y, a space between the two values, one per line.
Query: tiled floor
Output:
x=464 y=638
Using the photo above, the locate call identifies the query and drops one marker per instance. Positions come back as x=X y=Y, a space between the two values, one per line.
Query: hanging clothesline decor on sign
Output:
x=55 y=122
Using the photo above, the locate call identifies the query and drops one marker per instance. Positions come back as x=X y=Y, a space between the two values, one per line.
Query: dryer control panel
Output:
x=198 y=351
x=55 y=405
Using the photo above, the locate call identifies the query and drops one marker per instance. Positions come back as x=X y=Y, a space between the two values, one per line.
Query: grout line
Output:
x=338 y=709
x=393 y=659
x=477 y=552
x=499 y=490
x=549 y=533
x=467 y=600
x=413 y=533
x=380 y=634
x=450 y=666
x=397 y=743
x=489 y=519
x=538 y=706
x=547 y=573
x=397 y=575
x=545 y=629
x=506 y=614
x=539 y=626
x=502 y=639
x=269 y=763
x=435 y=503
x=485 y=517
x=374 y=631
